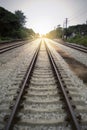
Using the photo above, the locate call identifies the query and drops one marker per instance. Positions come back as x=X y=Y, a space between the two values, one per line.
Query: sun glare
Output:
x=43 y=27
x=43 y=30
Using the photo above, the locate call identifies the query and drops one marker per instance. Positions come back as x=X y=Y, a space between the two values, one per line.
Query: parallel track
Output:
x=10 y=47
x=79 y=48
x=27 y=83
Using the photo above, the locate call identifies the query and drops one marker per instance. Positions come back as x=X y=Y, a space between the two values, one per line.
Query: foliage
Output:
x=51 y=34
x=8 y=23
x=79 y=40
x=11 y=25
x=77 y=34
x=77 y=29
x=21 y=17
x=56 y=33
x=25 y=33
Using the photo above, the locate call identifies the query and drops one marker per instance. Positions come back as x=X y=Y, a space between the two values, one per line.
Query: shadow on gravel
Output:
x=76 y=66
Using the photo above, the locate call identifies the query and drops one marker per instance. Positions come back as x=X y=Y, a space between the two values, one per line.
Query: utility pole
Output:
x=86 y=22
x=66 y=22
x=63 y=32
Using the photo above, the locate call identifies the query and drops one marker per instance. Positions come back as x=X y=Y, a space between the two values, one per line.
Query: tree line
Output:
x=71 y=31
x=55 y=33
x=12 y=25
x=77 y=34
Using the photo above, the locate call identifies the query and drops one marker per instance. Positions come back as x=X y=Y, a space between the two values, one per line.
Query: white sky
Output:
x=44 y=15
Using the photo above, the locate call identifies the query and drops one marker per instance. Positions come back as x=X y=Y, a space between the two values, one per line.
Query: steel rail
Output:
x=69 y=106
x=23 y=87
x=74 y=46
x=77 y=45
x=4 y=49
x=82 y=49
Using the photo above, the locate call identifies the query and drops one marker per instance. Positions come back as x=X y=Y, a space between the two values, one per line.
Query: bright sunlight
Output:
x=43 y=27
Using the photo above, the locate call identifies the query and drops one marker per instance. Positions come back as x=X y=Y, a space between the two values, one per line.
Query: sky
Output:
x=44 y=15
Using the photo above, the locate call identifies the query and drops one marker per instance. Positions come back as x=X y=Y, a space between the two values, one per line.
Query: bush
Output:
x=79 y=40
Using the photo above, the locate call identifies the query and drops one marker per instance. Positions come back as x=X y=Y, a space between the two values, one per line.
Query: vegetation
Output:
x=56 y=33
x=12 y=25
x=21 y=17
x=79 y=40
x=77 y=34
x=77 y=30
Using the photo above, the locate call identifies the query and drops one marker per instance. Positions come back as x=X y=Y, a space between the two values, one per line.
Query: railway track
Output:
x=10 y=47
x=43 y=100
x=74 y=46
x=77 y=47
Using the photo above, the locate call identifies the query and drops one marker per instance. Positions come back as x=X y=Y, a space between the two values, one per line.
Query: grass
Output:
x=82 y=40
x=8 y=39
x=5 y=39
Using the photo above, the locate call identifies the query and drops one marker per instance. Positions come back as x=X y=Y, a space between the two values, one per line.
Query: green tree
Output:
x=21 y=17
x=12 y=25
x=59 y=32
x=9 y=23
x=56 y=33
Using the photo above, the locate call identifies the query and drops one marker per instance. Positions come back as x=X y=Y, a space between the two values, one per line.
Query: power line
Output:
x=78 y=11
x=80 y=15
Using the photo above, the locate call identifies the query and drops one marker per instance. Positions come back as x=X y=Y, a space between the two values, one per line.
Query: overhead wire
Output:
x=78 y=16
